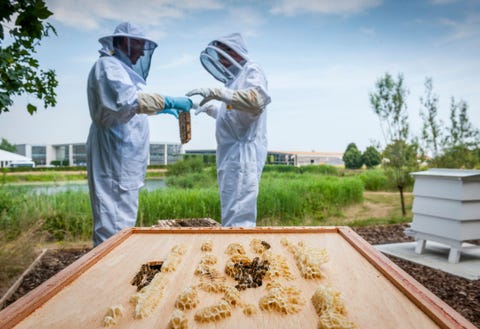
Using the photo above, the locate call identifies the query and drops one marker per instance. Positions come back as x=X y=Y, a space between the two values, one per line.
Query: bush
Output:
x=190 y=165
x=375 y=180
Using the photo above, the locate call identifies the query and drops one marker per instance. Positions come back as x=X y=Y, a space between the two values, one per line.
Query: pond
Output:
x=57 y=187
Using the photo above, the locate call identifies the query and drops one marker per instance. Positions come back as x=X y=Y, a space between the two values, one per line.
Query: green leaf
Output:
x=20 y=72
x=31 y=109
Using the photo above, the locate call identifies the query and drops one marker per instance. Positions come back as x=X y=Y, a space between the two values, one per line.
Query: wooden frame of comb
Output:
x=185 y=127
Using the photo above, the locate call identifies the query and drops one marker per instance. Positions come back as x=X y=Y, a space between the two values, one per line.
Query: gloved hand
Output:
x=208 y=94
x=209 y=109
x=169 y=111
x=183 y=104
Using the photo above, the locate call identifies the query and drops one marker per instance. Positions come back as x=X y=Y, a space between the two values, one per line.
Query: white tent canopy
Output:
x=7 y=158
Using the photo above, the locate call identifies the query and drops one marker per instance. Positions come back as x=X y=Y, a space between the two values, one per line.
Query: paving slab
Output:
x=435 y=256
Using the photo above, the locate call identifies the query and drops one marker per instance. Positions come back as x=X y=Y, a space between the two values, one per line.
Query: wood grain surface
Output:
x=376 y=293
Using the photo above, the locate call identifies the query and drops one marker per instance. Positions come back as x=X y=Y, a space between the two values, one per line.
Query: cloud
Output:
x=293 y=7
x=90 y=14
x=442 y=2
x=467 y=28
x=180 y=61
x=245 y=19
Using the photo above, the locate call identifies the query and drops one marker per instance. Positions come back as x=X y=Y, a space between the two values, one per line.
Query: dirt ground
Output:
x=461 y=294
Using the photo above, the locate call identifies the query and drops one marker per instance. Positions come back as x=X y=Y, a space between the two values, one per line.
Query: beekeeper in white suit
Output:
x=118 y=141
x=241 y=130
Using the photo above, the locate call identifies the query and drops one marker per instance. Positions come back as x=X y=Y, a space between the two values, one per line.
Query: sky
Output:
x=321 y=58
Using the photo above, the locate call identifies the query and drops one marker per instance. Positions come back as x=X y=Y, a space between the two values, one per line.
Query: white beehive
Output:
x=446 y=209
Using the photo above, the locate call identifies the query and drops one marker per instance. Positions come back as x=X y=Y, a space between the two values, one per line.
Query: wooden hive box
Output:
x=446 y=209
x=376 y=293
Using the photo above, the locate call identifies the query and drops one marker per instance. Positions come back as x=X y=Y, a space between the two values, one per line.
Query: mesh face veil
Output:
x=138 y=45
x=221 y=65
x=142 y=65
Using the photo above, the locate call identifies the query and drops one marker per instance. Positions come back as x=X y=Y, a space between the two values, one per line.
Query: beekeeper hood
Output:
x=135 y=32
x=224 y=57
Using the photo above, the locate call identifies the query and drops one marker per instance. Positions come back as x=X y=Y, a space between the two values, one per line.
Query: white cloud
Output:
x=368 y=31
x=466 y=28
x=245 y=19
x=89 y=14
x=293 y=7
x=442 y=2
x=180 y=61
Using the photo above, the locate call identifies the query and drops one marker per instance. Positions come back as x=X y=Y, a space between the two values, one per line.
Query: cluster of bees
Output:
x=249 y=274
x=146 y=273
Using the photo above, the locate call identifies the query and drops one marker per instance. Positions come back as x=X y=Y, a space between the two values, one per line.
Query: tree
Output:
x=457 y=157
x=371 y=157
x=5 y=145
x=432 y=126
x=19 y=71
x=461 y=131
x=461 y=140
x=454 y=146
x=352 y=157
x=389 y=104
x=400 y=157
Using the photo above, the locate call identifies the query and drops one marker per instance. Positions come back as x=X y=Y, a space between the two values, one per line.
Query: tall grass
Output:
x=64 y=216
x=295 y=198
x=174 y=203
x=290 y=198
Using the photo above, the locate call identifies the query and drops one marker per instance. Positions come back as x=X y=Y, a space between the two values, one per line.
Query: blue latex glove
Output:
x=169 y=111
x=183 y=104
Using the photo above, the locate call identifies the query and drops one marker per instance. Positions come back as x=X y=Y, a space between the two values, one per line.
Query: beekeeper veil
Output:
x=224 y=57
x=139 y=48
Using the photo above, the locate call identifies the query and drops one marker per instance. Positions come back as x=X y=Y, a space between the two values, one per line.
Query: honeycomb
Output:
x=178 y=320
x=207 y=245
x=285 y=300
x=232 y=296
x=187 y=299
x=178 y=249
x=309 y=260
x=206 y=270
x=174 y=258
x=112 y=316
x=205 y=266
x=146 y=273
x=278 y=267
x=213 y=286
x=208 y=258
x=214 y=313
x=147 y=299
x=185 y=127
x=259 y=246
x=331 y=310
x=235 y=259
x=250 y=309
x=235 y=248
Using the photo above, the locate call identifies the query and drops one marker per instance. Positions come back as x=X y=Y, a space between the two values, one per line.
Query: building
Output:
x=299 y=159
x=75 y=154
x=293 y=158
x=164 y=154
x=9 y=159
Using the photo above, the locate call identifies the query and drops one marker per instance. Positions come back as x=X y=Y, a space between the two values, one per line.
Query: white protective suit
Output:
x=118 y=141
x=241 y=135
